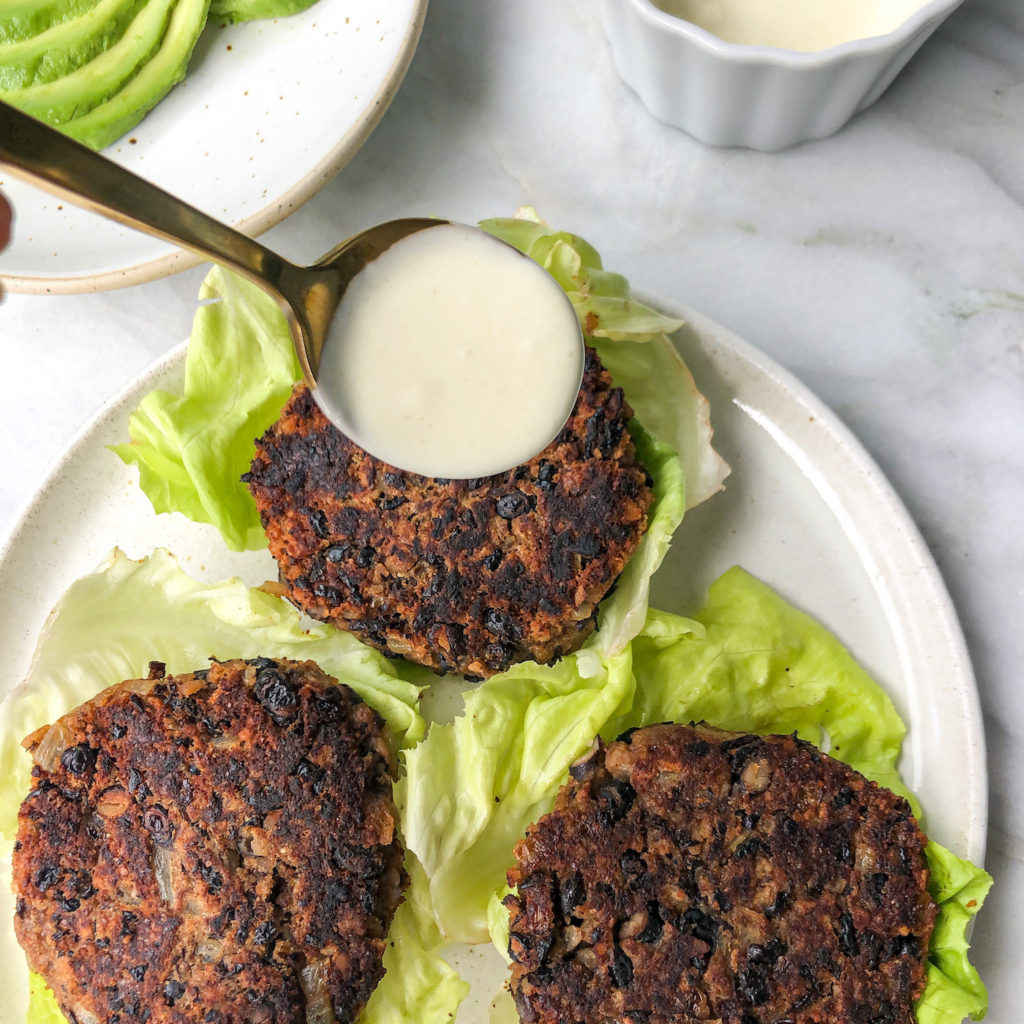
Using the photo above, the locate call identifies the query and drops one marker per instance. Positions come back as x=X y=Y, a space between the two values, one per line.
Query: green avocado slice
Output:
x=84 y=88
x=22 y=19
x=123 y=110
x=93 y=68
x=100 y=100
x=65 y=46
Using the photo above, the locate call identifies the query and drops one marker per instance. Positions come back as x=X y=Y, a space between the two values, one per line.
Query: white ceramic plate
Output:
x=805 y=509
x=269 y=112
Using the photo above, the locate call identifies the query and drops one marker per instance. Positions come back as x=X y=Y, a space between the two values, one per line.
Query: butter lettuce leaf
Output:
x=758 y=664
x=473 y=785
x=621 y=615
x=954 y=990
x=42 y=1003
x=192 y=448
x=601 y=299
x=419 y=986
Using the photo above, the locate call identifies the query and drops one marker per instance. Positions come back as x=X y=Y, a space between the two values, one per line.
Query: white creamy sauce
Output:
x=452 y=355
x=793 y=24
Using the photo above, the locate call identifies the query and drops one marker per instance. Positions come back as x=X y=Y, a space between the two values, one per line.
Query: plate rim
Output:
x=821 y=420
x=257 y=223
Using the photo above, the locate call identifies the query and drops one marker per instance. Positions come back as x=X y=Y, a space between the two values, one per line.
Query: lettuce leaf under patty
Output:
x=192 y=448
x=42 y=1006
x=954 y=990
x=473 y=785
x=111 y=624
x=419 y=985
x=748 y=661
x=621 y=614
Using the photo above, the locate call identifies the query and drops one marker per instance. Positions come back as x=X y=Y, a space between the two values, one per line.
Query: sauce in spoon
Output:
x=452 y=355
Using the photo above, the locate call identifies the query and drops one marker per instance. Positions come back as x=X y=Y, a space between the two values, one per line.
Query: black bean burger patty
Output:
x=215 y=847
x=465 y=576
x=688 y=874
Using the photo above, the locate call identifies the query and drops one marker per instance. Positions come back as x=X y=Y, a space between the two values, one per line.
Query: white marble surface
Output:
x=885 y=267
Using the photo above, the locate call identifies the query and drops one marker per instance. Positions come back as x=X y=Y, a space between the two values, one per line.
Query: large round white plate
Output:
x=805 y=509
x=269 y=112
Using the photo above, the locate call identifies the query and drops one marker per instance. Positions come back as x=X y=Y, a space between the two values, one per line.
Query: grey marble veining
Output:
x=885 y=267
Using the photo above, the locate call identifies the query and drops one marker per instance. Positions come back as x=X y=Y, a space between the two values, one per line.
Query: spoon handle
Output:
x=50 y=160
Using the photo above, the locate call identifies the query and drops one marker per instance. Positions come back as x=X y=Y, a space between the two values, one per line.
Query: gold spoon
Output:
x=308 y=296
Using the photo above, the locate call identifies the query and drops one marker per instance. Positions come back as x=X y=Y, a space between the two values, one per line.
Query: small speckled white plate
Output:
x=269 y=112
x=805 y=509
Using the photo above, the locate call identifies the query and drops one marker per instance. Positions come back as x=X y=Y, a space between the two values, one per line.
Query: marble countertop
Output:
x=884 y=267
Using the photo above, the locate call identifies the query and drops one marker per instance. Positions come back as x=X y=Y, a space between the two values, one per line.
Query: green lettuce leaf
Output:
x=42 y=1004
x=420 y=987
x=621 y=615
x=602 y=300
x=758 y=664
x=472 y=786
x=192 y=448
x=953 y=988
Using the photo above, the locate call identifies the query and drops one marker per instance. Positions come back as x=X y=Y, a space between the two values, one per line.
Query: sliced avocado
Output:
x=250 y=10
x=86 y=87
x=122 y=111
x=93 y=68
x=66 y=46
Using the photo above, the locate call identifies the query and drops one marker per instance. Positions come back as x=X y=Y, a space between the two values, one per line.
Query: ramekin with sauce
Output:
x=765 y=74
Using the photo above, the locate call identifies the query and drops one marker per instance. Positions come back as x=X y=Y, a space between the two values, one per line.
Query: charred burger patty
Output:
x=462 y=576
x=689 y=874
x=214 y=847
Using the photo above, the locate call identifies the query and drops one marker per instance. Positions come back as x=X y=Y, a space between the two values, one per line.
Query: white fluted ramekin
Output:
x=761 y=97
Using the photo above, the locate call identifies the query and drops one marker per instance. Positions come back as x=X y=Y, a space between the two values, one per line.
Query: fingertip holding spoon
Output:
x=427 y=346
